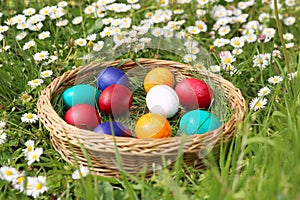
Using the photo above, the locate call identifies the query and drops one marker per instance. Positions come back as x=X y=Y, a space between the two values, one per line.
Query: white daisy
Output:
x=21 y=35
x=264 y=91
x=36 y=186
x=77 y=20
x=193 y=30
x=289 y=21
x=201 y=25
x=81 y=172
x=250 y=38
x=290 y=3
x=29 y=118
x=43 y=55
x=8 y=173
x=43 y=35
x=223 y=30
x=29 y=11
x=18 y=183
x=226 y=58
x=29 y=147
x=237 y=51
x=46 y=73
x=80 y=42
x=29 y=44
x=36 y=82
x=138 y=47
x=62 y=22
x=258 y=103
x=62 y=4
x=136 y=6
x=237 y=42
x=34 y=155
x=275 y=80
x=98 y=46
x=189 y=58
x=3 y=29
x=157 y=32
x=215 y=68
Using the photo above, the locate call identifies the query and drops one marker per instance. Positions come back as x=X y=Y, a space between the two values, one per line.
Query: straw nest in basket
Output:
x=72 y=142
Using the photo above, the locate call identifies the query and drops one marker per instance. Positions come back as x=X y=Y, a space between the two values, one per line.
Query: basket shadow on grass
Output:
x=219 y=107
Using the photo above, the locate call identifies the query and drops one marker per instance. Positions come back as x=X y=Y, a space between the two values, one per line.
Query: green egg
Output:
x=80 y=94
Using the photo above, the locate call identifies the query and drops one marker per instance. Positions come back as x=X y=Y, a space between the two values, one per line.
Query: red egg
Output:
x=83 y=116
x=194 y=93
x=115 y=100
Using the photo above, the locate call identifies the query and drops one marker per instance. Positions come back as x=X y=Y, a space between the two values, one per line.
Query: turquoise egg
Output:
x=198 y=122
x=80 y=94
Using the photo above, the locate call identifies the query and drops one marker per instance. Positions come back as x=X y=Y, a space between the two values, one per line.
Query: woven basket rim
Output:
x=238 y=115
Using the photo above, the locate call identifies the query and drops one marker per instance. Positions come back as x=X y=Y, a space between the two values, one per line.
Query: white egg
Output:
x=163 y=100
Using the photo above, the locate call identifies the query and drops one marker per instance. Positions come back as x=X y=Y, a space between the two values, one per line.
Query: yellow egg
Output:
x=158 y=76
x=152 y=125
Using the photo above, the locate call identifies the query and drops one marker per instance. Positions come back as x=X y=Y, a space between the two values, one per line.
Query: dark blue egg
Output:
x=110 y=76
x=118 y=128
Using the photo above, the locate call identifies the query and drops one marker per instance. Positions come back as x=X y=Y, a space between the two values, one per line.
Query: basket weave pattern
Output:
x=69 y=140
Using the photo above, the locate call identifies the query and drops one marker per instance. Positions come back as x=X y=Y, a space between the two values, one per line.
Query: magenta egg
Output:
x=115 y=100
x=82 y=116
x=194 y=93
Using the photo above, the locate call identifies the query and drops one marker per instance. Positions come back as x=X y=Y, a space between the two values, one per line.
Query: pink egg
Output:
x=115 y=100
x=82 y=116
x=194 y=93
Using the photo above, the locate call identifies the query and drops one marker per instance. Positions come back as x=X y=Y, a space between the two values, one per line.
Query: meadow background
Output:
x=253 y=44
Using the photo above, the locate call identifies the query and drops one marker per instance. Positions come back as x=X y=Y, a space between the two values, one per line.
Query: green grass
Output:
x=261 y=162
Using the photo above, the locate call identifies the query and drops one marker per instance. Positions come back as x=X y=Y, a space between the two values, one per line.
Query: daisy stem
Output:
x=278 y=24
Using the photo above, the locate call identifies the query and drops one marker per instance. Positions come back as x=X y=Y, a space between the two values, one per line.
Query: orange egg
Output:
x=152 y=125
x=158 y=76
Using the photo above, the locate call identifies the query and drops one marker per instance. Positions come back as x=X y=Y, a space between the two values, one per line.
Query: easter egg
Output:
x=118 y=128
x=110 y=76
x=158 y=76
x=80 y=94
x=194 y=93
x=82 y=116
x=198 y=122
x=163 y=100
x=152 y=125
x=115 y=100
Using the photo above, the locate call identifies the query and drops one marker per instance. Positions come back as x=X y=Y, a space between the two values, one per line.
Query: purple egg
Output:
x=118 y=128
x=110 y=76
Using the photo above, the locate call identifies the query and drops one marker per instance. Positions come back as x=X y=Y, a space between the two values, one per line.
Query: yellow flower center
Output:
x=8 y=172
x=38 y=186
x=20 y=179
x=35 y=81
x=227 y=60
x=29 y=116
x=259 y=104
x=41 y=55
x=29 y=148
x=237 y=42
x=34 y=156
x=193 y=31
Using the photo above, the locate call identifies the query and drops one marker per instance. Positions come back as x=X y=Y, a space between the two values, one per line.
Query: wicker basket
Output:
x=70 y=141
